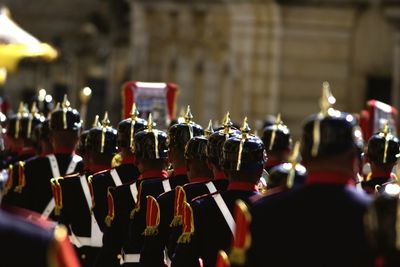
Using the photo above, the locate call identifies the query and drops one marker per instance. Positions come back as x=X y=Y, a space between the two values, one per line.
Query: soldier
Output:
x=287 y=175
x=381 y=224
x=35 y=175
x=40 y=246
x=22 y=126
x=152 y=253
x=278 y=143
x=382 y=154
x=320 y=224
x=215 y=144
x=124 y=202
x=243 y=160
x=41 y=137
x=20 y=132
x=126 y=172
x=72 y=194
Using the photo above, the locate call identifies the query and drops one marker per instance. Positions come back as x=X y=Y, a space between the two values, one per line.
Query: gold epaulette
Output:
x=136 y=209
x=21 y=177
x=111 y=210
x=10 y=179
x=57 y=194
x=152 y=216
x=180 y=199
x=242 y=237
x=187 y=224
x=116 y=160
x=222 y=259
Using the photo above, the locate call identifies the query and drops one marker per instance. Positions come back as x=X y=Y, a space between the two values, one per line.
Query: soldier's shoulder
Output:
x=166 y=196
x=101 y=173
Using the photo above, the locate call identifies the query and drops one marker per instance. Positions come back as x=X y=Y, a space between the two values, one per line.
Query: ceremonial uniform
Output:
x=125 y=173
x=36 y=193
x=22 y=126
x=125 y=202
x=319 y=224
x=213 y=223
x=72 y=194
x=382 y=153
x=73 y=208
x=278 y=143
x=28 y=244
x=381 y=224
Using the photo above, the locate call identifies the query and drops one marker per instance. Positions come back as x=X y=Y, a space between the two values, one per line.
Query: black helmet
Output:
x=179 y=134
x=196 y=148
x=217 y=139
x=81 y=149
x=383 y=147
x=65 y=118
x=330 y=132
x=22 y=124
x=102 y=139
x=279 y=174
x=288 y=174
x=128 y=127
x=41 y=132
x=276 y=137
x=243 y=153
x=150 y=143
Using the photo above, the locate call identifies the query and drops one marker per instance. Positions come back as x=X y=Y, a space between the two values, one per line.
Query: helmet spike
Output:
x=227 y=123
x=327 y=99
x=65 y=103
x=245 y=129
x=209 y=130
x=96 y=122
x=21 y=108
x=150 y=123
x=34 y=109
x=188 y=115
x=105 y=122
x=134 y=112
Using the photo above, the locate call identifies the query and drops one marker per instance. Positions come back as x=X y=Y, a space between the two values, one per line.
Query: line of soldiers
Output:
x=141 y=196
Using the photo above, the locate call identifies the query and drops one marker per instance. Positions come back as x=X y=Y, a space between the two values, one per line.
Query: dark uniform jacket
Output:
x=100 y=182
x=73 y=208
x=13 y=187
x=152 y=253
x=320 y=224
x=211 y=229
x=28 y=244
x=36 y=192
x=122 y=201
x=373 y=180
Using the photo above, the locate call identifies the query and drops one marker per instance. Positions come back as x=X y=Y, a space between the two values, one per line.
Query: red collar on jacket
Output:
x=153 y=174
x=200 y=180
x=220 y=176
x=180 y=171
x=243 y=186
x=329 y=177
x=64 y=150
x=27 y=151
x=94 y=168
x=128 y=160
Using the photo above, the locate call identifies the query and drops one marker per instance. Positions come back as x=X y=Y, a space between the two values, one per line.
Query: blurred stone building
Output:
x=251 y=57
